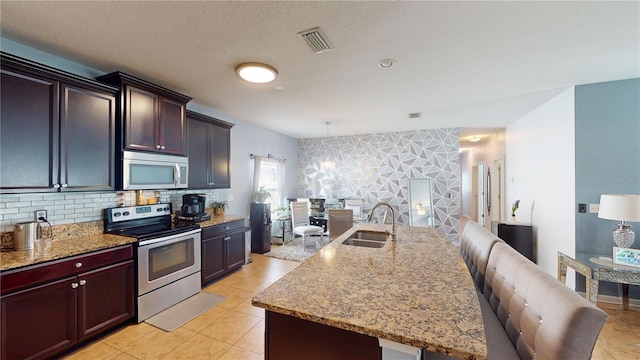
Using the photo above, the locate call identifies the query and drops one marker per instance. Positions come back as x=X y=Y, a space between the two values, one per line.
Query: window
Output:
x=269 y=181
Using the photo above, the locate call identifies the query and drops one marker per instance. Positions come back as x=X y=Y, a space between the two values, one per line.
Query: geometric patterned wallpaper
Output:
x=376 y=167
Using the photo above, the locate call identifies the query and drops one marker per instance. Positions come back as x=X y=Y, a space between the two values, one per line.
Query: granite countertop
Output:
x=220 y=219
x=77 y=239
x=415 y=291
x=48 y=249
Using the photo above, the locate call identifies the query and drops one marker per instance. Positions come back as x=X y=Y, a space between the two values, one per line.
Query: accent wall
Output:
x=376 y=167
x=607 y=162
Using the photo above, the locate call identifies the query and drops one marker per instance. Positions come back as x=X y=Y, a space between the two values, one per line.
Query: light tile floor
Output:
x=234 y=329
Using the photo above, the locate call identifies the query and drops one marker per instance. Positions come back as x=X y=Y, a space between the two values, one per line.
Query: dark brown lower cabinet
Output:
x=39 y=322
x=44 y=320
x=222 y=249
x=290 y=338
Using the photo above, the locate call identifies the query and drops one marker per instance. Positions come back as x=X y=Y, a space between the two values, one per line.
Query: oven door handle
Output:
x=169 y=238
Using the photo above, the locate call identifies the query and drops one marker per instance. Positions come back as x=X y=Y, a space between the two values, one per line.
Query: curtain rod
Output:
x=269 y=156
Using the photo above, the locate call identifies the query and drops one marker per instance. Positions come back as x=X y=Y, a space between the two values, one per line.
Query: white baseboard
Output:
x=610 y=299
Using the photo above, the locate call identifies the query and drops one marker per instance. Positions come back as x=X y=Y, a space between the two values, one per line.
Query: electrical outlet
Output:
x=40 y=214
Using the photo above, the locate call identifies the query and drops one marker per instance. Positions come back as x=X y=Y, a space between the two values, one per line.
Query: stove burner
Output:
x=144 y=222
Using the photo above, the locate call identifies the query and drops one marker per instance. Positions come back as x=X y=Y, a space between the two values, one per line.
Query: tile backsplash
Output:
x=77 y=207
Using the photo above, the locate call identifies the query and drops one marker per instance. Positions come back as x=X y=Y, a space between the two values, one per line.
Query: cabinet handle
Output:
x=78 y=264
x=56 y=186
x=74 y=285
x=82 y=282
x=227 y=238
x=162 y=147
x=158 y=147
x=64 y=185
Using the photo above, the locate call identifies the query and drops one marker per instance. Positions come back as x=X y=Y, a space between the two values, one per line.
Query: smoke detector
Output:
x=316 y=39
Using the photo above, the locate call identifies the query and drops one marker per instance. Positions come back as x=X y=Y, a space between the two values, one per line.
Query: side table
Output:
x=596 y=268
x=285 y=226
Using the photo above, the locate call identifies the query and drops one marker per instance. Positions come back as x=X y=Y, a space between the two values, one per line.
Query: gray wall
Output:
x=376 y=167
x=607 y=161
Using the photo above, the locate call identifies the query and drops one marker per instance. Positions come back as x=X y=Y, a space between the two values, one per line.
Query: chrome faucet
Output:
x=393 y=217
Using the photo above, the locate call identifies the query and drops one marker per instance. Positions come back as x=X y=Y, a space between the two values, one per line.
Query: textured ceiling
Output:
x=460 y=64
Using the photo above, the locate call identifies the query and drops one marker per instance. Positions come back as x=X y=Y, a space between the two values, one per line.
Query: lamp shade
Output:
x=619 y=207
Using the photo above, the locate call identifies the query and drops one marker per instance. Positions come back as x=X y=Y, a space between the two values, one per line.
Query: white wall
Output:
x=540 y=172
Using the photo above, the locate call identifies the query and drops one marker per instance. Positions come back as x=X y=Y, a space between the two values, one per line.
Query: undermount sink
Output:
x=364 y=238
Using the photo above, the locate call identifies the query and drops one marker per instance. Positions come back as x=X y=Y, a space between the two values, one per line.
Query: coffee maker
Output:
x=193 y=207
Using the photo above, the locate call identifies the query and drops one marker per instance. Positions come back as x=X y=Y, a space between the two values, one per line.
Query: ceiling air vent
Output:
x=415 y=115
x=316 y=39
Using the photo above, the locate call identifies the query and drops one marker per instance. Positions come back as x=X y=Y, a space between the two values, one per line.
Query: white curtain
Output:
x=281 y=177
x=255 y=178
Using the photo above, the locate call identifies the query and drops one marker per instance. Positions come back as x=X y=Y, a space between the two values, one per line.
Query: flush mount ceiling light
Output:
x=256 y=73
x=474 y=138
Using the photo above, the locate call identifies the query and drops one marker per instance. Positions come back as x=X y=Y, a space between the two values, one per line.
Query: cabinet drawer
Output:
x=215 y=230
x=37 y=274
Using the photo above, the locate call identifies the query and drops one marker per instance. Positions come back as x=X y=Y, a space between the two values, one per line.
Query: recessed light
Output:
x=256 y=73
x=386 y=63
x=475 y=138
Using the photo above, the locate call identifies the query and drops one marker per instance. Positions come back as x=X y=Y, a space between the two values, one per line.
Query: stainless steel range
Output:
x=168 y=255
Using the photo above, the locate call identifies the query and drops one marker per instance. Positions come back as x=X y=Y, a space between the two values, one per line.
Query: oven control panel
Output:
x=118 y=214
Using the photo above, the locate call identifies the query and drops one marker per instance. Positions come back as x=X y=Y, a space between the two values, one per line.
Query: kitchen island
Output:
x=415 y=291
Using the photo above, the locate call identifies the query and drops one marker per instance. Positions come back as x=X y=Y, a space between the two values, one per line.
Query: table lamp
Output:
x=623 y=208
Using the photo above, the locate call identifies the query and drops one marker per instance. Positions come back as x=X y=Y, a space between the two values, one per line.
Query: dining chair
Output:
x=357 y=207
x=339 y=221
x=300 y=222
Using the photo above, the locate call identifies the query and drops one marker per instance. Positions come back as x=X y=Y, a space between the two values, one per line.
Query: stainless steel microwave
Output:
x=146 y=171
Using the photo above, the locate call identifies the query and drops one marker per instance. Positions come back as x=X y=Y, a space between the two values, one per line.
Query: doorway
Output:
x=499 y=186
x=479 y=186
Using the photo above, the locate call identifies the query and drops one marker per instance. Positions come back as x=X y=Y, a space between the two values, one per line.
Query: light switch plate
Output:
x=594 y=208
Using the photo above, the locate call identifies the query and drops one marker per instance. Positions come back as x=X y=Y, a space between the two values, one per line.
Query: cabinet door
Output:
x=199 y=154
x=213 y=258
x=106 y=298
x=235 y=250
x=220 y=152
x=87 y=147
x=28 y=133
x=141 y=132
x=39 y=322
x=172 y=127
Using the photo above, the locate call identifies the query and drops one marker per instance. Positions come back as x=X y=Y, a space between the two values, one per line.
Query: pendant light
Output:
x=327 y=164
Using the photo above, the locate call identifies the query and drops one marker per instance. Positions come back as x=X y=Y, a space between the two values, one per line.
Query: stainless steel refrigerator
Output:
x=260 y=216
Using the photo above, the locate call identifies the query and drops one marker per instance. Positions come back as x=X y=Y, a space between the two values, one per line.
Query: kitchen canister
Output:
x=25 y=235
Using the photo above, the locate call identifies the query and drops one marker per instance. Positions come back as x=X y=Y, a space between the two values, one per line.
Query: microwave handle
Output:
x=176 y=174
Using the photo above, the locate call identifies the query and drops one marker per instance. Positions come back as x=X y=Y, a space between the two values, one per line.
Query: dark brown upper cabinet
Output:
x=57 y=130
x=151 y=118
x=209 y=141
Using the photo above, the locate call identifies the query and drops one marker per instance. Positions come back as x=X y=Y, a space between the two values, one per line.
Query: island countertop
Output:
x=415 y=291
